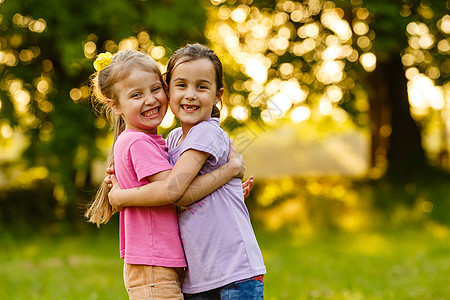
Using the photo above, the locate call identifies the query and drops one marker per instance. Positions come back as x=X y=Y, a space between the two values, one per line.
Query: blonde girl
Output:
x=132 y=88
x=223 y=256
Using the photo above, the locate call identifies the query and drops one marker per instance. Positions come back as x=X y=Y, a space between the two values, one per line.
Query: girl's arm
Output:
x=181 y=185
x=205 y=184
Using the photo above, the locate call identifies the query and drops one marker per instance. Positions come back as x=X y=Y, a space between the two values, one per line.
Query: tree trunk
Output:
x=389 y=103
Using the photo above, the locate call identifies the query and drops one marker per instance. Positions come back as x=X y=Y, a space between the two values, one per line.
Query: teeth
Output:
x=190 y=107
x=150 y=112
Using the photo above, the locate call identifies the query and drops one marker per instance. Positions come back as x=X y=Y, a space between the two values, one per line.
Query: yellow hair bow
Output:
x=102 y=61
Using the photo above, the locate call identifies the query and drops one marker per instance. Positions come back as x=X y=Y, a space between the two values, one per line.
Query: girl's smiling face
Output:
x=142 y=100
x=193 y=92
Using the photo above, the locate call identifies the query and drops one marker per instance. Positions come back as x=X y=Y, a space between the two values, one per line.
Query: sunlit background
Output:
x=297 y=88
x=310 y=87
x=340 y=108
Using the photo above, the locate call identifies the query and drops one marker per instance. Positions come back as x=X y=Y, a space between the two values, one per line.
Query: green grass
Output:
x=43 y=266
x=407 y=263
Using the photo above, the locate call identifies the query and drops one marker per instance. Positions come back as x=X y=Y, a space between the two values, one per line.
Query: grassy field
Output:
x=407 y=263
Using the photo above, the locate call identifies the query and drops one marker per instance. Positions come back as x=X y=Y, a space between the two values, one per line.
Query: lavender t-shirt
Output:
x=217 y=236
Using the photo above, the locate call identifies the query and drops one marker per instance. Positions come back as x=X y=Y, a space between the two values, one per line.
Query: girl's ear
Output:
x=115 y=106
x=219 y=95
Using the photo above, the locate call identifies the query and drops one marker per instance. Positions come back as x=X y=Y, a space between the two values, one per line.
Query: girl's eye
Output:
x=181 y=84
x=156 y=89
x=135 y=95
x=202 y=87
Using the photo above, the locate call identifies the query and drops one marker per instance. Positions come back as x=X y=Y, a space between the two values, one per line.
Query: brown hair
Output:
x=102 y=88
x=192 y=52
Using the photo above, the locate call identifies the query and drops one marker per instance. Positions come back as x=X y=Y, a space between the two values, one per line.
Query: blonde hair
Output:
x=99 y=210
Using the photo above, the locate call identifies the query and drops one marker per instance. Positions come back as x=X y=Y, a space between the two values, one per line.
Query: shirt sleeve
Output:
x=173 y=137
x=207 y=138
x=148 y=158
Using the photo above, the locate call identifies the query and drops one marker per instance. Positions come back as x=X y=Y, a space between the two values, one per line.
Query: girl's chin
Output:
x=151 y=123
x=190 y=121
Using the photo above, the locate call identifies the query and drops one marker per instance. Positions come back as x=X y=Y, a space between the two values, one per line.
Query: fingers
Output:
x=114 y=180
x=108 y=181
x=111 y=180
x=250 y=183
x=247 y=186
x=246 y=192
x=110 y=170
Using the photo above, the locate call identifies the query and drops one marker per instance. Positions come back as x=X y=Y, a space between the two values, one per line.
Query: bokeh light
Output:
x=368 y=61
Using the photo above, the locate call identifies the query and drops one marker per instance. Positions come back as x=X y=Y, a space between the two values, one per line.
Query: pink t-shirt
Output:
x=148 y=235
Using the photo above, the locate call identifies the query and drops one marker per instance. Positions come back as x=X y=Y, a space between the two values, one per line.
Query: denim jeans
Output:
x=249 y=289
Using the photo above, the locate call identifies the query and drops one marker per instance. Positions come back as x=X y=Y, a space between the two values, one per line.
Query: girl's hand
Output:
x=114 y=193
x=236 y=161
x=109 y=171
x=247 y=186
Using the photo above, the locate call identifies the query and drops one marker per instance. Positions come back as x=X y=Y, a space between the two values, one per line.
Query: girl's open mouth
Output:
x=150 y=112
x=190 y=107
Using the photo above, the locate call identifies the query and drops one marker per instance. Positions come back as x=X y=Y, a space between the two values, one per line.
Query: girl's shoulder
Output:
x=131 y=134
x=173 y=137
x=208 y=132
x=128 y=136
x=211 y=125
x=133 y=137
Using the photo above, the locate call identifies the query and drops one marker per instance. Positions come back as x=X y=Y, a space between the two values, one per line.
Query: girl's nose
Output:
x=149 y=100
x=190 y=94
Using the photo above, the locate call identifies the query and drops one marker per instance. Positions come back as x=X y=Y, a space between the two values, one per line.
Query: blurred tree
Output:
x=389 y=103
x=46 y=54
x=313 y=59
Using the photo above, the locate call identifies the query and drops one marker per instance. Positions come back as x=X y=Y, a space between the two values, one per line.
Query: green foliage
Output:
x=63 y=135
x=389 y=20
x=336 y=204
x=28 y=207
x=58 y=127
x=426 y=197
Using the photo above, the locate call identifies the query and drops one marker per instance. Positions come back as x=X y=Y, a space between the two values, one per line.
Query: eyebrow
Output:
x=184 y=79
x=132 y=90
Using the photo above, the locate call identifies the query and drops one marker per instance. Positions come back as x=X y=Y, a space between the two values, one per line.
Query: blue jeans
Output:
x=248 y=289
